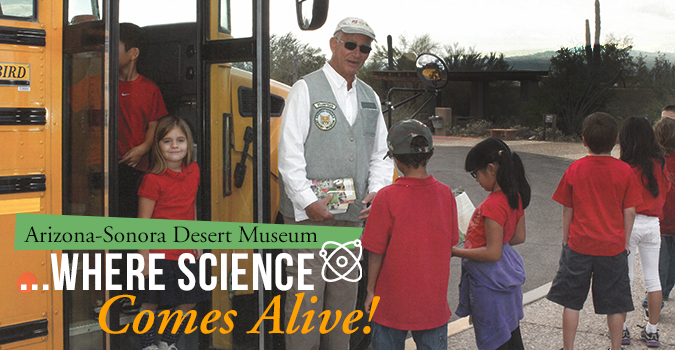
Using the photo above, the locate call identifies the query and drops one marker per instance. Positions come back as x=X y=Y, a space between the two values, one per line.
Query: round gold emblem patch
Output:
x=324 y=119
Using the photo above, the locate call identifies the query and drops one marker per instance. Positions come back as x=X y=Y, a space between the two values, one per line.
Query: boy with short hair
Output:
x=140 y=106
x=599 y=194
x=668 y=112
x=410 y=231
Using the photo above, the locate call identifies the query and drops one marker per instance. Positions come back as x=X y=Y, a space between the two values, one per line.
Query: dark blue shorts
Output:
x=609 y=274
x=173 y=295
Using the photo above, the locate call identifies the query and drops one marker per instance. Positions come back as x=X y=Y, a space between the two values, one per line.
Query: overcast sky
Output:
x=509 y=26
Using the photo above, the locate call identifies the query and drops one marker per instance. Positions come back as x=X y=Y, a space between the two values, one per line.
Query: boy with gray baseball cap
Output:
x=409 y=234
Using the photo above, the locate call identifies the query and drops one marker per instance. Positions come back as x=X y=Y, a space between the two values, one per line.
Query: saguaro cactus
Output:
x=596 y=44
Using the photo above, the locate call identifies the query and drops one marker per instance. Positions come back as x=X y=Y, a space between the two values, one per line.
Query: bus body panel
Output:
x=31 y=149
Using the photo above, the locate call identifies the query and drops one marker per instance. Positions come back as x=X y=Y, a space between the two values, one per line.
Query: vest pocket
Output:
x=369 y=118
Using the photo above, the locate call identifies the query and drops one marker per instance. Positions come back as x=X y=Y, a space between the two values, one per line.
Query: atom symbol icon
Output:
x=341 y=261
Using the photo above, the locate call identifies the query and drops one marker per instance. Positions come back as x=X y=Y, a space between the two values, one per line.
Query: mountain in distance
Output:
x=541 y=60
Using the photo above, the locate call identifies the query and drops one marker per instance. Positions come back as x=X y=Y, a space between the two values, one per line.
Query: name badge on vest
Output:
x=324 y=118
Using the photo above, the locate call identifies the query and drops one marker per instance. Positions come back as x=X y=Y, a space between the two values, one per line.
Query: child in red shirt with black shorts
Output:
x=168 y=191
x=599 y=194
x=410 y=231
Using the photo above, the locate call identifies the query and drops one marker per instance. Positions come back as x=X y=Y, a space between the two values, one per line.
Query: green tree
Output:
x=461 y=58
x=576 y=88
x=660 y=80
x=289 y=59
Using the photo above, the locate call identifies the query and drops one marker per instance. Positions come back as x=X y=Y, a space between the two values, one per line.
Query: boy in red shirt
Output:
x=140 y=106
x=599 y=194
x=410 y=231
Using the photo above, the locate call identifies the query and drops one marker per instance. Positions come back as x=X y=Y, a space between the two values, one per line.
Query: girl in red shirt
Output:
x=492 y=271
x=168 y=191
x=665 y=134
x=641 y=150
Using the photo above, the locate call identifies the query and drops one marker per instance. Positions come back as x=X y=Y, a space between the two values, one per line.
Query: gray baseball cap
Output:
x=353 y=25
x=402 y=133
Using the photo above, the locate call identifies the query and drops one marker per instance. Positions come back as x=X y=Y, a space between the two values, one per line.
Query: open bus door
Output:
x=60 y=126
x=233 y=114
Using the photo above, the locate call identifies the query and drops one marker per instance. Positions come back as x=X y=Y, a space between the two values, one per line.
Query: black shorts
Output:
x=173 y=295
x=611 y=285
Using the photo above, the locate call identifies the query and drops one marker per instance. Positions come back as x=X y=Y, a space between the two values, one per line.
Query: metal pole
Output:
x=261 y=126
x=110 y=108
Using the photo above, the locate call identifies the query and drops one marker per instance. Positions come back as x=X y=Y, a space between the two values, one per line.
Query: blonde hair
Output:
x=158 y=164
x=665 y=134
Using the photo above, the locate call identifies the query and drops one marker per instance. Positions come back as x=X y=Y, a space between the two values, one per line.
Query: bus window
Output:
x=83 y=10
x=19 y=9
x=241 y=15
x=154 y=12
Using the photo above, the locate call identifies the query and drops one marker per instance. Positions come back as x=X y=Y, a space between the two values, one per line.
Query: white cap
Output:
x=353 y=25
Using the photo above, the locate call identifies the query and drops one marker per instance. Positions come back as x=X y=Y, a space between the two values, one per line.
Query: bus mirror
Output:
x=312 y=14
x=432 y=70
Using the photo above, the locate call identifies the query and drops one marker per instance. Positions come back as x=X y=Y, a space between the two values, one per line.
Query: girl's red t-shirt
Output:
x=174 y=194
x=652 y=206
x=496 y=207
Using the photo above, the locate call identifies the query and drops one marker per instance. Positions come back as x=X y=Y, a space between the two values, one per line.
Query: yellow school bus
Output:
x=58 y=126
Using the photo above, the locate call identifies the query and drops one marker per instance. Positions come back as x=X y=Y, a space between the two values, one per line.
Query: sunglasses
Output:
x=351 y=46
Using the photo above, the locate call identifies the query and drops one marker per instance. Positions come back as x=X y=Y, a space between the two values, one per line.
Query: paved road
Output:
x=541 y=249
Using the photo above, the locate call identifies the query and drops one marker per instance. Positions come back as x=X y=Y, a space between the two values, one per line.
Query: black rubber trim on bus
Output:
x=23 y=36
x=23 y=184
x=23 y=116
x=247 y=103
x=24 y=331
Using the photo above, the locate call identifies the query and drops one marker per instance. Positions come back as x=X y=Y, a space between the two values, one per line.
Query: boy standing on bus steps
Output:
x=599 y=194
x=409 y=234
x=140 y=106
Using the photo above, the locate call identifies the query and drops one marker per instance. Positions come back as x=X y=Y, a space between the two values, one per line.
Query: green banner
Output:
x=66 y=232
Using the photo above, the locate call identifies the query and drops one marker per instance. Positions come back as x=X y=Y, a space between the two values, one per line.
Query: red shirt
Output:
x=668 y=215
x=140 y=102
x=413 y=222
x=174 y=195
x=652 y=206
x=598 y=188
x=496 y=207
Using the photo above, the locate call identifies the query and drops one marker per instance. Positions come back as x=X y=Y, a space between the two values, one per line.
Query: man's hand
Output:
x=133 y=157
x=366 y=202
x=318 y=211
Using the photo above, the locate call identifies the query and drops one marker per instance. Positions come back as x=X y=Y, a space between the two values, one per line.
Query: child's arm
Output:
x=133 y=157
x=145 y=253
x=145 y=207
x=494 y=235
x=566 y=220
x=374 y=266
x=519 y=236
x=628 y=219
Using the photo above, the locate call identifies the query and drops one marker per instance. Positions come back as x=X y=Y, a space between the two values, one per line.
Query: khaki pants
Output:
x=338 y=295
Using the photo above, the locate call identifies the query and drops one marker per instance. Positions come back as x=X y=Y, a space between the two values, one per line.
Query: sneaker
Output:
x=164 y=346
x=151 y=347
x=652 y=339
x=622 y=348
x=625 y=337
